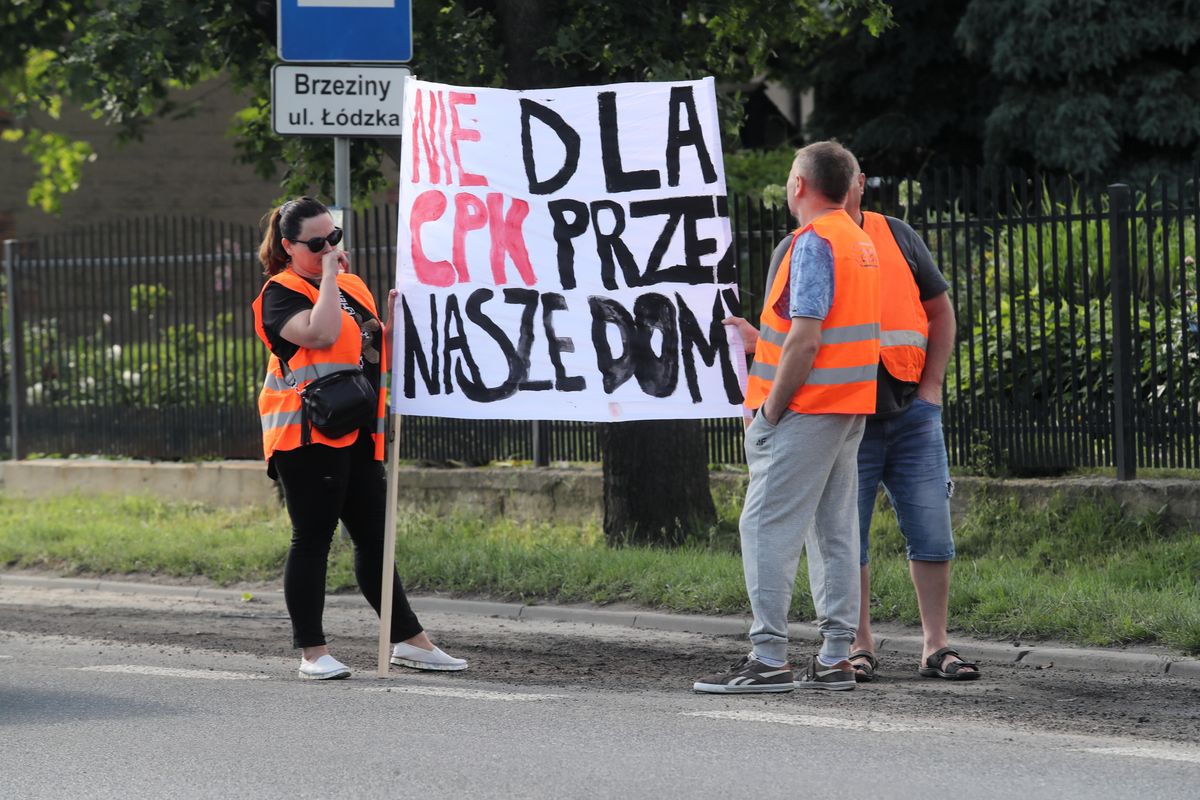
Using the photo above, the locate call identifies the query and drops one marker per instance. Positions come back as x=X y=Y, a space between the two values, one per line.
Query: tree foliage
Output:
x=120 y=60
x=902 y=100
x=1090 y=87
x=1094 y=89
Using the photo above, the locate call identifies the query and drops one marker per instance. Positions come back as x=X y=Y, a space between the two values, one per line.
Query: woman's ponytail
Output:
x=271 y=253
x=285 y=223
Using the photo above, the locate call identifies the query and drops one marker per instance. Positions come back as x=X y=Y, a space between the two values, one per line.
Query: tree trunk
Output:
x=655 y=482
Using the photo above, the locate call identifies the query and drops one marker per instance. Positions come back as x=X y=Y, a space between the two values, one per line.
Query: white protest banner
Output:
x=565 y=254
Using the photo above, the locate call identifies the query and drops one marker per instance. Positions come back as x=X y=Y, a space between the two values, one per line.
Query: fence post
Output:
x=10 y=333
x=541 y=444
x=1124 y=444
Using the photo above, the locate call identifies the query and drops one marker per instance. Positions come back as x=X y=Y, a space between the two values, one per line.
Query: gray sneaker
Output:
x=838 y=678
x=747 y=676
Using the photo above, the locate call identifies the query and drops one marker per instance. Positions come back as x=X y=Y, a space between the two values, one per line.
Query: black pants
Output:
x=321 y=485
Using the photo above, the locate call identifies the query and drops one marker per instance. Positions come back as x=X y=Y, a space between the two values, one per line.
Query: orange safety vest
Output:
x=904 y=326
x=279 y=402
x=842 y=378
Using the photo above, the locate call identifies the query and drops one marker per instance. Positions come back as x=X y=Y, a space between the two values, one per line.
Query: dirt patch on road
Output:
x=559 y=655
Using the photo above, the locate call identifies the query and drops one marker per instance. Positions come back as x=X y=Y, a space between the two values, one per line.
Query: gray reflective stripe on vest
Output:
x=764 y=371
x=850 y=333
x=280 y=419
x=771 y=336
x=902 y=338
x=304 y=374
x=824 y=376
x=820 y=376
x=839 y=335
x=285 y=418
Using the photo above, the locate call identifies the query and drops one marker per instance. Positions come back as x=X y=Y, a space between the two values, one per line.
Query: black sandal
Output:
x=864 y=672
x=957 y=670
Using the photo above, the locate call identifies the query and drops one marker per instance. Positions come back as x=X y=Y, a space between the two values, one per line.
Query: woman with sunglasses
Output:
x=316 y=317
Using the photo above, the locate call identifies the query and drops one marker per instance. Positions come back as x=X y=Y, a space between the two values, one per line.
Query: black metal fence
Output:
x=136 y=339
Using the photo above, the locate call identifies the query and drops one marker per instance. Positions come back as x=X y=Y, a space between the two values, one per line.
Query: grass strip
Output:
x=1084 y=573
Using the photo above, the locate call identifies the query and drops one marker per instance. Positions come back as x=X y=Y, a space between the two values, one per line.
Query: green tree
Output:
x=120 y=60
x=1092 y=89
x=903 y=100
x=1089 y=87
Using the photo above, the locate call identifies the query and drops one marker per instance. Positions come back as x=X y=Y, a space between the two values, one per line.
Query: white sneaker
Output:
x=406 y=655
x=325 y=668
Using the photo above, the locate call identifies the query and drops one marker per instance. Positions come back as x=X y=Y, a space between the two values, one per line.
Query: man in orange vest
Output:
x=812 y=384
x=903 y=446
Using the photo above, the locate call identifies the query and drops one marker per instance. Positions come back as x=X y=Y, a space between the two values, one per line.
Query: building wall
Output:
x=183 y=167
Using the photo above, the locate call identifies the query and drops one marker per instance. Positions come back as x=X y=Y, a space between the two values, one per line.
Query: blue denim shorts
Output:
x=908 y=455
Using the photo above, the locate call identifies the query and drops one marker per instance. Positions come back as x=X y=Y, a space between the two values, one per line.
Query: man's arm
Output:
x=795 y=362
x=940 y=312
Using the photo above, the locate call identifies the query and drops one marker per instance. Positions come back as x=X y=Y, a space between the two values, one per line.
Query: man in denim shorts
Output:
x=903 y=447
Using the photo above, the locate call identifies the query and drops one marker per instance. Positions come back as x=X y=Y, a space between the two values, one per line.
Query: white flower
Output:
x=115 y=351
x=106 y=319
x=132 y=378
x=33 y=394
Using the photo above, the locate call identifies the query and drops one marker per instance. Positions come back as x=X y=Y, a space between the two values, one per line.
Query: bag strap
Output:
x=286 y=368
x=305 y=424
x=288 y=375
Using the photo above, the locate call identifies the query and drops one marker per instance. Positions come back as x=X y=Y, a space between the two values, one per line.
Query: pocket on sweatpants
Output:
x=759 y=434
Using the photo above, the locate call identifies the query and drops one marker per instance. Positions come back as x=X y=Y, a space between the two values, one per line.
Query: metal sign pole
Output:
x=341 y=185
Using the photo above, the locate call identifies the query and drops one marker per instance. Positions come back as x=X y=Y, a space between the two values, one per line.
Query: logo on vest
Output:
x=867 y=255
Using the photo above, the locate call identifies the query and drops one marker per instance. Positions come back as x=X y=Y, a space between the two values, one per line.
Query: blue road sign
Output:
x=345 y=30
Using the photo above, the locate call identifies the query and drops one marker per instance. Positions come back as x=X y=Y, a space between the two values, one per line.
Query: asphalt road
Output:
x=125 y=695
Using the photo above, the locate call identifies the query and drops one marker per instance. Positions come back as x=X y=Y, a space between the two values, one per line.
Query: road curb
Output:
x=1032 y=656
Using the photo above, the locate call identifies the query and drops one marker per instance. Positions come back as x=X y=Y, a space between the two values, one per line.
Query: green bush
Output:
x=185 y=365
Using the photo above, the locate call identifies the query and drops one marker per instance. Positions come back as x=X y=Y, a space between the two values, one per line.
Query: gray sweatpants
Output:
x=803 y=492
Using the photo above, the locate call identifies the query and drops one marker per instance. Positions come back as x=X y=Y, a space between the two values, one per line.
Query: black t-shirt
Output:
x=280 y=304
x=892 y=396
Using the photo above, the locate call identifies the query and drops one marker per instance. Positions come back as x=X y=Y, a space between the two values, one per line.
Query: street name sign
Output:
x=345 y=30
x=321 y=100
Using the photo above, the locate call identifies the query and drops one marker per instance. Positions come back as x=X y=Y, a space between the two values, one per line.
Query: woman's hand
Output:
x=333 y=262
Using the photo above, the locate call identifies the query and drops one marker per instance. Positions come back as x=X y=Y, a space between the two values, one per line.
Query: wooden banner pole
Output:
x=389 y=548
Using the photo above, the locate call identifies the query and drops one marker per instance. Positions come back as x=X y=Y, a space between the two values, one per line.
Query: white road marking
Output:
x=171 y=672
x=808 y=721
x=1163 y=753
x=469 y=694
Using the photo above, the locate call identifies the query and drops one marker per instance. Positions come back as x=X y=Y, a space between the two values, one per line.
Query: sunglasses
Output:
x=317 y=243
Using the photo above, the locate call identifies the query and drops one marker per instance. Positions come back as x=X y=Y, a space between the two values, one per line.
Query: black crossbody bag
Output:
x=335 y=404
